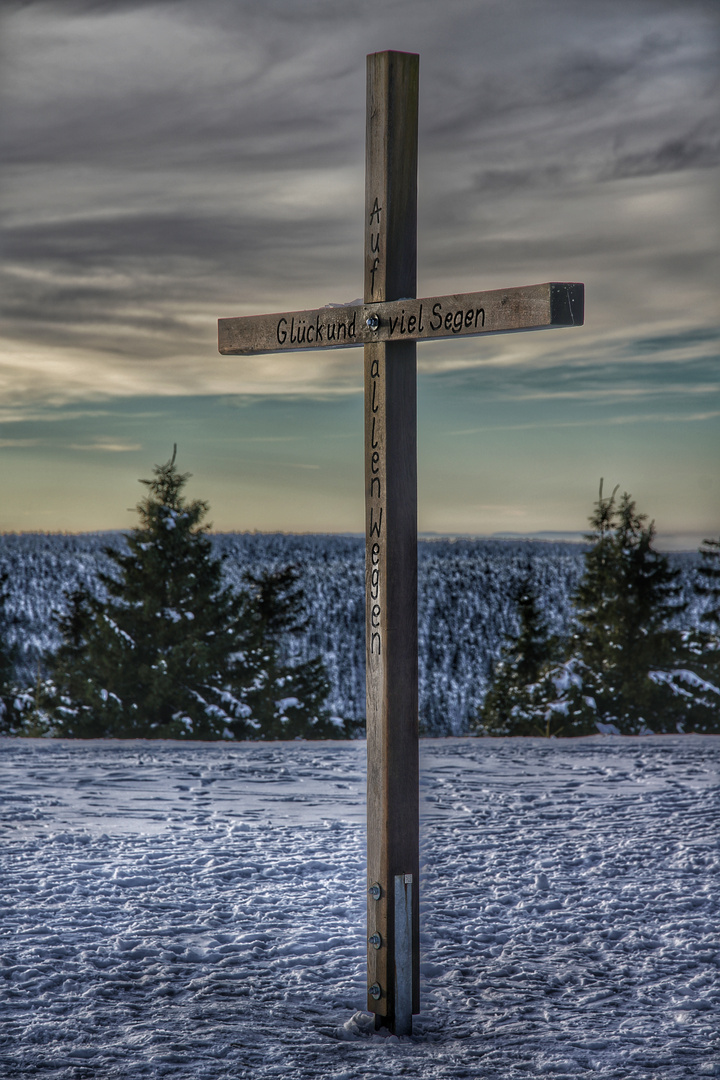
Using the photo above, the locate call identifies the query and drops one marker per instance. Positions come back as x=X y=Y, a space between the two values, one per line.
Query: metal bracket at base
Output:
x=403 y=954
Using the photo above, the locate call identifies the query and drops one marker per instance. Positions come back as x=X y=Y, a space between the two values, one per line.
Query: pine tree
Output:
x=627 y=658
x=169 y=651
x=524 y=658
x=625 y=667
x=708 y=585
x=7 y=663
x=286 y=698
x=704 y=646
x=67 y=707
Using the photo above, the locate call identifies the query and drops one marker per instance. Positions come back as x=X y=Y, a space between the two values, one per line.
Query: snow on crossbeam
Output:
x=499 y=311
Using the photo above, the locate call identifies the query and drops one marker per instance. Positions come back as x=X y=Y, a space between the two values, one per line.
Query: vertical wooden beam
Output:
x=391 y=534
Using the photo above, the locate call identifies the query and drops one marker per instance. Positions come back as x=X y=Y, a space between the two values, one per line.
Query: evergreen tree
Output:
x=7 y=663
x=708 y=585
x=286 y=698
x=704 y=646
x=624 y=605
x=626 y=668
x=628 y=662
x=169 y=652
x=524 y=659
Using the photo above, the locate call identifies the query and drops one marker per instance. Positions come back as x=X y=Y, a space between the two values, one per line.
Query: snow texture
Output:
x=197 y=911
x=466 y=607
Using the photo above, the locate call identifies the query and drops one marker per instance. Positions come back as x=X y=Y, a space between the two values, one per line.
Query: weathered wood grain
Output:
x=391 y=519
x=550 y=305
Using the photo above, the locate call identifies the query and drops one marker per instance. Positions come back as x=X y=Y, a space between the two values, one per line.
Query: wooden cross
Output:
x=388 y=324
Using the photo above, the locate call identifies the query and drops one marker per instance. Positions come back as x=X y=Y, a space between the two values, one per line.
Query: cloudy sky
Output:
x=164 y=164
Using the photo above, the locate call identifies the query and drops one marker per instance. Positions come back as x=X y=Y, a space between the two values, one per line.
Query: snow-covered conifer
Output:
x=628 y=659
x=286 y=696
x=626 y=667
x=170 y=651
x=708 y=583
x=7 y=666
x=508 y=707
x=704 y=647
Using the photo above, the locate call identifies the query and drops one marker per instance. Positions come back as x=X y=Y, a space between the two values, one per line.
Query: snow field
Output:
x=197 y=911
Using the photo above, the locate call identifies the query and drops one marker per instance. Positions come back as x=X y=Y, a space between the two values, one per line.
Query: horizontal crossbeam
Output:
x=500 y=311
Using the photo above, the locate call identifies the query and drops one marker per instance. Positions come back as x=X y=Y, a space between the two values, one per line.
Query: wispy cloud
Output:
x=20 y=414
x=106 y=447
x=270 y=464
x=598 y=421
x=616 y=395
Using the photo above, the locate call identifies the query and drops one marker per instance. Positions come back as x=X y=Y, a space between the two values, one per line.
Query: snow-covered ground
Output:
x=197 y=911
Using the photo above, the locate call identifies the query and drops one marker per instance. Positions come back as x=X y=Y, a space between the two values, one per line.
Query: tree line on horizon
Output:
x=168 y=651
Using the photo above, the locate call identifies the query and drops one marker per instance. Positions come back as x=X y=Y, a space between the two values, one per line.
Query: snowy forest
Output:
x=251 y=635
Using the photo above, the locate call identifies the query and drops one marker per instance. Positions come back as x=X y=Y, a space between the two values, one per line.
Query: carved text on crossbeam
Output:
x=498 y=311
